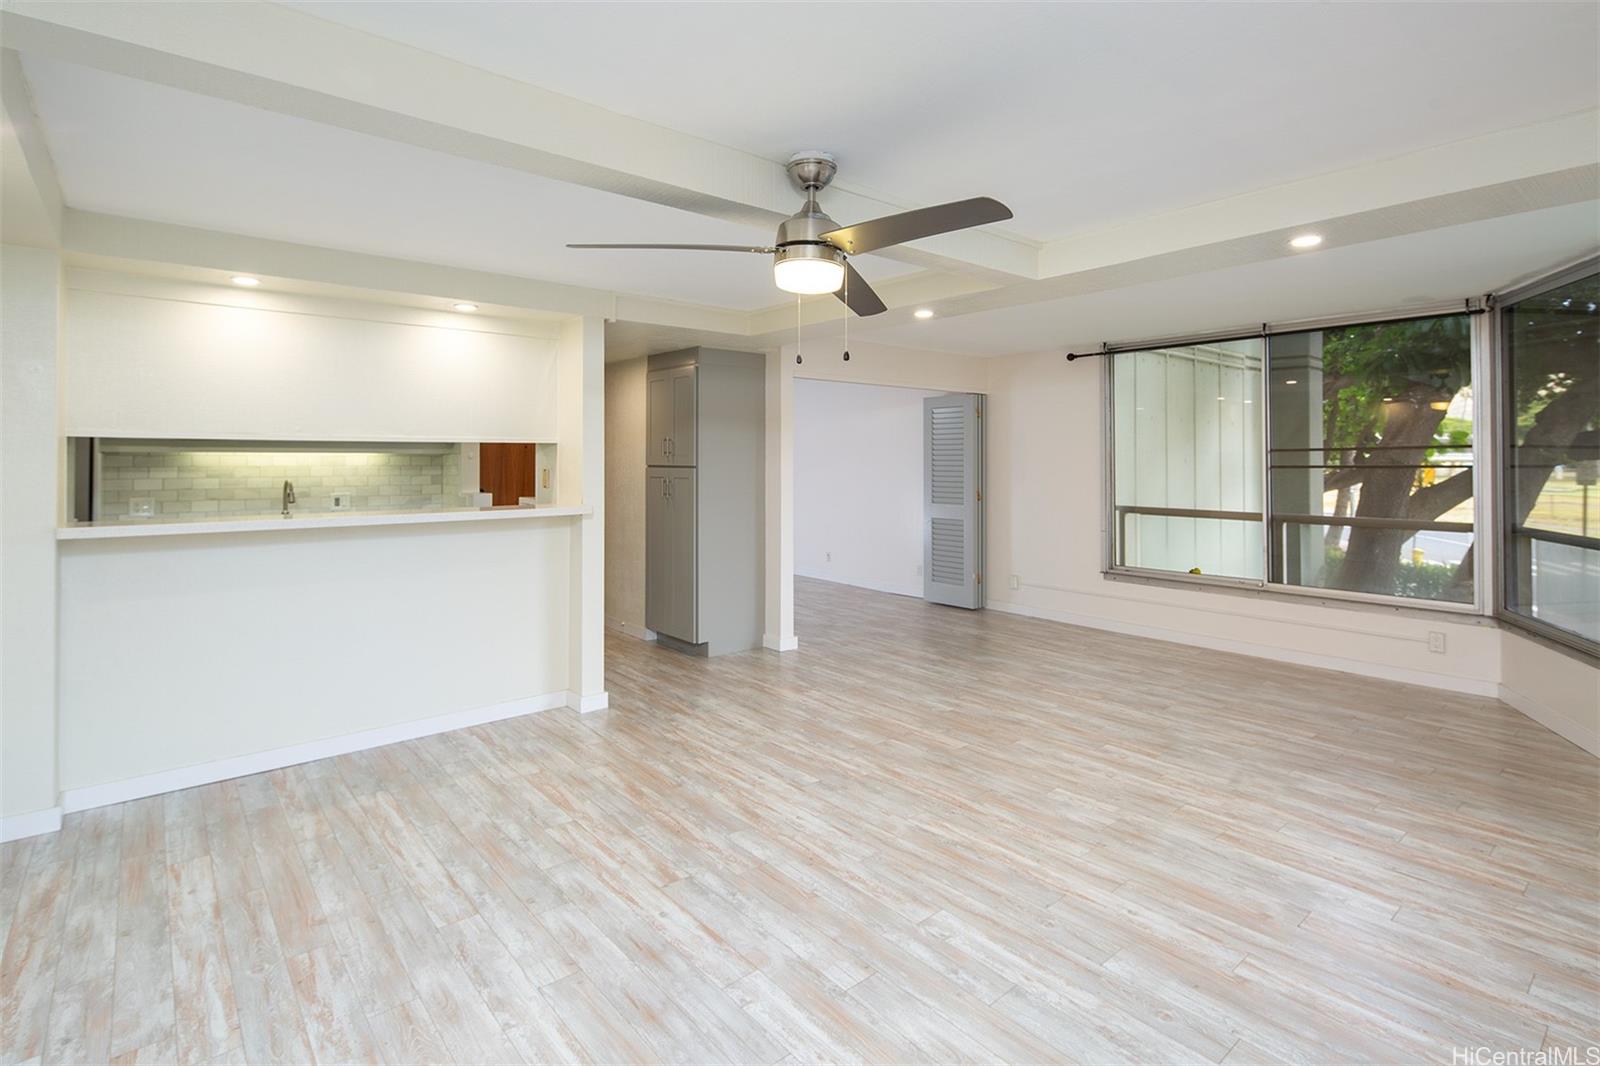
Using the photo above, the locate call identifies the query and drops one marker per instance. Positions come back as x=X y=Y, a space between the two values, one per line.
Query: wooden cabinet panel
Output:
x=671 y=590
x=658 y=417
x=509 y=471
x=658 y=553
x=685 y=417
x=670 y=402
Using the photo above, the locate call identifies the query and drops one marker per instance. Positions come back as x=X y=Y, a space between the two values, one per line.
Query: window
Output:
x=1371 y=458
x=1338 y=458
x=1187 y=423
x=1550 y=506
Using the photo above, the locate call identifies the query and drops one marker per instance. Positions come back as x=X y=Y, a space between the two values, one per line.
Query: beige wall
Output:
x=1045 y=467
x=625 y=461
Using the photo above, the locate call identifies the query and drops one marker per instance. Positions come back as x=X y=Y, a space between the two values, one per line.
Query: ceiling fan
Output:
x=812 y=251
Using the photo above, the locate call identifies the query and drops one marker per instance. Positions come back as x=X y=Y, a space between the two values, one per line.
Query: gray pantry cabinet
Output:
x=704 y=504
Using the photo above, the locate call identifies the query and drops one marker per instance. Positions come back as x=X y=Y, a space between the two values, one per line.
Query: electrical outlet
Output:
x=827 y=557
x=1436 y=642
x=1016 y=582
x=919 y=569
x=141 y=508
x=339 y=501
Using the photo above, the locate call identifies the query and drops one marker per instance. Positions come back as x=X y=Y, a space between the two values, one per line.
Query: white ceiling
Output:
x=1076 y=115
x=1080 y=116
x=133 y=148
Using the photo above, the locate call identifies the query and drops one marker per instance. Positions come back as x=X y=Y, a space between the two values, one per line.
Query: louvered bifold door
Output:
x=952 y=535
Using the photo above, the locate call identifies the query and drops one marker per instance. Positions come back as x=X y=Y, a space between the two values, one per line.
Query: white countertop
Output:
x=155 y=527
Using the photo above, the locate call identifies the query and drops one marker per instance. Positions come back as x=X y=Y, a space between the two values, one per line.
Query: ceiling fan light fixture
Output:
x=808 y=269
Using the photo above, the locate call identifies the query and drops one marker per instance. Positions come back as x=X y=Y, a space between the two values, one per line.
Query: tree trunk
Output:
x=1372 y=558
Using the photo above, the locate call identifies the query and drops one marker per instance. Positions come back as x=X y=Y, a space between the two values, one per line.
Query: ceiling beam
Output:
x=951 y=297
x=117 y=243
x=278 y=59
x=30 y=194
x=1534 y=152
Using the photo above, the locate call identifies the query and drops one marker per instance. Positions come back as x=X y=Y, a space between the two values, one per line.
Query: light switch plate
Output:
x=340 y=501
x=141 y=508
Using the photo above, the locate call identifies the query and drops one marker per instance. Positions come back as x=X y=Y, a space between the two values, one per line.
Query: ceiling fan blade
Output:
x=914 y=225
x=683 y=247
x=863 y=301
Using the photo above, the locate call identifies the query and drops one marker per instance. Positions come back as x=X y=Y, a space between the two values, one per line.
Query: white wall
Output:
x=30 y=462
x=580 y=476
x=180 y=651
x=858 y=476
x=1556 y=688
x=146 y=357
x=625 y=463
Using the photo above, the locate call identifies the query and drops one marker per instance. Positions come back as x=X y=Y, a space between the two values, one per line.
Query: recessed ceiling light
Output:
x=465 y=307
x=246 y=280
x=922 y=312
x=1306 y=240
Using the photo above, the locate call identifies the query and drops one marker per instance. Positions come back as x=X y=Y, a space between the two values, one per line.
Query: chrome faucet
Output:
x=288 y=497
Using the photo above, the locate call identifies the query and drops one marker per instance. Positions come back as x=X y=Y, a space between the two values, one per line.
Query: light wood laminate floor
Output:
x=928 y=835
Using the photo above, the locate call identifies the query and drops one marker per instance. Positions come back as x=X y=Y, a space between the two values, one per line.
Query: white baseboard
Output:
x=1448 y=682
x=594 y=701
x=1561 y=723
x=772 y=643
x=82 y=799
x=914 y=591
x=633 y=630
x=32 y=824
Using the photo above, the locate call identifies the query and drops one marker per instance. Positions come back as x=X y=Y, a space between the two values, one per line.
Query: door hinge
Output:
x=978 y=578
x=980 y=495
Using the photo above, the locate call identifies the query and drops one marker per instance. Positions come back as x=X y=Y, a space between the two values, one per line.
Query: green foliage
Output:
x=1554 y=341
x=1419 y=581
x=1374 y=373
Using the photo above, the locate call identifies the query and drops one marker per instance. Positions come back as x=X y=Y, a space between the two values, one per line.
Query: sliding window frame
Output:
x=1502 y=571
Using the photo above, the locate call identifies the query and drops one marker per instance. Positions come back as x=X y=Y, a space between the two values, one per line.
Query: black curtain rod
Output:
x=1267 y=331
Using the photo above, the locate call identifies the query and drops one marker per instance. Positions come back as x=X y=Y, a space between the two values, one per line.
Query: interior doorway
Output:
x=861 y=486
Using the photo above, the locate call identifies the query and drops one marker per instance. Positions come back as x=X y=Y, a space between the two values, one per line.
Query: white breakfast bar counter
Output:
x=156 y=527
x=197 y=650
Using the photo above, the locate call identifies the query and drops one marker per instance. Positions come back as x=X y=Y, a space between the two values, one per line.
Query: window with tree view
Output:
x=1551 y=507
x=1370 y=458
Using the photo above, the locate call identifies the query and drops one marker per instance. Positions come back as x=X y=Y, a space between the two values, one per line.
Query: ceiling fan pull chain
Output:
x=798 y=358
x=847 y=313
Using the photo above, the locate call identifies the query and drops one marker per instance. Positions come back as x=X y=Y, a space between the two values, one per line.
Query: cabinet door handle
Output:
x=672 y=445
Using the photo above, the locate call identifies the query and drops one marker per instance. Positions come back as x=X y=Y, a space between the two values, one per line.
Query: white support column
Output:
x=779 y=632
x=30 y=504
x=580 y=481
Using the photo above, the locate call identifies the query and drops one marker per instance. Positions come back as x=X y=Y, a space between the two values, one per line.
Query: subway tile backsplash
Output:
x=185 y=484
